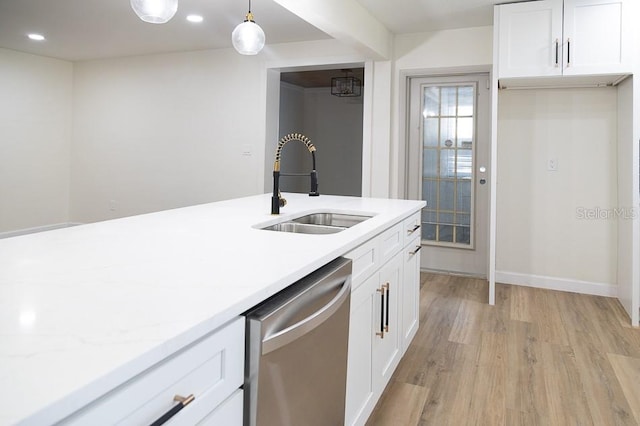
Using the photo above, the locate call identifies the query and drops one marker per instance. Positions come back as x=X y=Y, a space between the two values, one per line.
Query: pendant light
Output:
x=347 y=86
x=155 y=11
x=248 y=38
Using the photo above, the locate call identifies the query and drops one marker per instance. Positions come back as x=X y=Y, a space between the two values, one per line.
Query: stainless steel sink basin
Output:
x=318 y=223
x=304 y=228
x=332 y=219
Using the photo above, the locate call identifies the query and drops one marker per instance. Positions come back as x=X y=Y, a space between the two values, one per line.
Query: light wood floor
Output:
x=538 y=357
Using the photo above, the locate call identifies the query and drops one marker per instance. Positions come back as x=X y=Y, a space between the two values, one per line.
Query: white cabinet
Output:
x=386 y=340
x=211 y=369
x=360 y=388
x=554 y=38
x=374 y=339
x=410 y=292
x=379 y=328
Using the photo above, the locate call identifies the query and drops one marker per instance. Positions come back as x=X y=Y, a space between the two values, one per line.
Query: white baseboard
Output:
x=26 y=231
x=554 y=283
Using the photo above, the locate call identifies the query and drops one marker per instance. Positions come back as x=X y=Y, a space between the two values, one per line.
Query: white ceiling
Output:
x=89 y=29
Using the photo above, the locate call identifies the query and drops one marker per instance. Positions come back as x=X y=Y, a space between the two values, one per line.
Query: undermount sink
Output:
x=318 y=223
x=332 y=219
x=303 y=228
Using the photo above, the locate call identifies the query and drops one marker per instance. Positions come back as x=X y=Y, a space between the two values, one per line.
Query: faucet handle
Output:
x=281 y=200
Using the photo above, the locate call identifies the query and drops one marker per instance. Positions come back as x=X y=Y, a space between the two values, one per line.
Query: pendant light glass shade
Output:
x=155 y=11
x=248 y=38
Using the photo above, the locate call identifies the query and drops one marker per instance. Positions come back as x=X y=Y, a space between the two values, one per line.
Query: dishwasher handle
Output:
x=289 y=334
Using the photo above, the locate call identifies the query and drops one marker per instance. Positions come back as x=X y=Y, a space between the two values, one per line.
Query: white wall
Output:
x=551 y=225
x=35 y=135
x=163 y=131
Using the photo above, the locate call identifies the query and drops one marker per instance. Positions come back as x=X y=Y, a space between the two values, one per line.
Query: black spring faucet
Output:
x=276 y=199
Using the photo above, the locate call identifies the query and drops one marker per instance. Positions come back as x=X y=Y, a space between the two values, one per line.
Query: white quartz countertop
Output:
x=83 y=309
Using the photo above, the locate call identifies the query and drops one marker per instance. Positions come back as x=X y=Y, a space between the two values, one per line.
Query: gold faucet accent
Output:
x=276 y=200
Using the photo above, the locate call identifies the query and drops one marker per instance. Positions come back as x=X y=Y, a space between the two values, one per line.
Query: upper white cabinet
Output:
x=556 y=38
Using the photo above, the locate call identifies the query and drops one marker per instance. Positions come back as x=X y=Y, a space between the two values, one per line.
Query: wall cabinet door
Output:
x=529 y=39
x=410 y=302
x=553 y=38
x=595 y=36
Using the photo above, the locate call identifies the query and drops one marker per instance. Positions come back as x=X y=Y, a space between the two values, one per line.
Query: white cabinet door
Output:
x=574 y=37
x=529 y=39
x=410 y=303
x=360 y=400
x=596 y=33
x=386 y=343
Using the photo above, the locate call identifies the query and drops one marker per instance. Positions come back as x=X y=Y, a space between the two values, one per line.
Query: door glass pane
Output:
x=465 y=132
x=431 y=102
x=448 y=101
x=447 y=132
x=465 y=101
x=448 y=170
x=430 y=163
x=431 y=132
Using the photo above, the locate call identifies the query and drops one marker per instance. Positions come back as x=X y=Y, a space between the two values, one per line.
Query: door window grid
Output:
x=447 y=148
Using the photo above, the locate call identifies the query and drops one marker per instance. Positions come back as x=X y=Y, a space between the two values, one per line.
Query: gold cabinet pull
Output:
x=183 y=402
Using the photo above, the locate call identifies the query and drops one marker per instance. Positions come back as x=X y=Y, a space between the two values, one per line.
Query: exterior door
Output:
x=448 y=167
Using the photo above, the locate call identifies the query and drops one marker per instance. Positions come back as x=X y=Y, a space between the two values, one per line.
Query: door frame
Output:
x=272 y=109
x=404 y=89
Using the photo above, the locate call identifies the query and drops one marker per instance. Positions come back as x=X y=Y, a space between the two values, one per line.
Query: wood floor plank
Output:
x=566 y=399
x=607 y=403
x=525 y=387
x=466 y=327
x=548 y=318
x=537 y=357
x=488 y=404
x=401 y=404
x=627 y=372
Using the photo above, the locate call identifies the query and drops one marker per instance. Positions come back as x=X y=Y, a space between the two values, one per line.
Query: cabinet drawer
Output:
x=211 y=368
x=229 y=413
x=391 y=242
x=411 y=227
x=365 y=261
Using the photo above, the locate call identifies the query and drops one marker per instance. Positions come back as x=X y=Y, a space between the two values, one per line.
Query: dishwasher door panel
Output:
x=297 y=352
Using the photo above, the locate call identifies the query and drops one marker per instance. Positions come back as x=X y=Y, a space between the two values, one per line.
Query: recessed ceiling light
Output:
x=194 y=18
x=36 y=37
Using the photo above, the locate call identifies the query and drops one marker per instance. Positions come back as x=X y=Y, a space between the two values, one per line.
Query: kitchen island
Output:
x=85 y=309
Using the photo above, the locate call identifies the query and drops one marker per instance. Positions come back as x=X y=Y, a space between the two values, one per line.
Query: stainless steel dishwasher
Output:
x=296 y=354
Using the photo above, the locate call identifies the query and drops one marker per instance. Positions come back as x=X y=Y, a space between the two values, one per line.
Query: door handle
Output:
x=289 y=334
x=386 y=324
x=414 y=229
x=381 y=332
x=183 y=402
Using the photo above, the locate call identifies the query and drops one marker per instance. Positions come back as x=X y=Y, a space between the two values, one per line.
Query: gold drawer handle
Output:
x=411 y=231
x=183 y=402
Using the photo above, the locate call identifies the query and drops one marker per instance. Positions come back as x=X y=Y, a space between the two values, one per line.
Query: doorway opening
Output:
x=333 y=123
